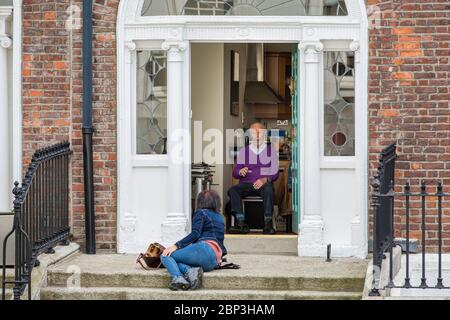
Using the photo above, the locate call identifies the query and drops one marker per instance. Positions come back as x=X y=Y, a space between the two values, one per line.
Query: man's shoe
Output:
x=268 y=229
x=179 y=283
x=195 y=278
x=240 y=228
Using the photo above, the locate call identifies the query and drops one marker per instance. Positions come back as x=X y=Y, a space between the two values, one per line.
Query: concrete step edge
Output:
x=9 y=274
x=56 y=293
x=9 y=294
x=211 y=281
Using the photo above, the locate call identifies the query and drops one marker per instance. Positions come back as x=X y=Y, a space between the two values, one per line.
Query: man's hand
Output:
x=260 y=183
x=168 y=252
x=243 y=172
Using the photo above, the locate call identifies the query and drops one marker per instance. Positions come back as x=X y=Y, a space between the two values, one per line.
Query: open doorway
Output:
x=233 y=86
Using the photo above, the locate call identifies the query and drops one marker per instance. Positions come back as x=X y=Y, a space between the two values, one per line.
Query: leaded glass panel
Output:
x=339 y=114
x=245 y=7
x=151 y=122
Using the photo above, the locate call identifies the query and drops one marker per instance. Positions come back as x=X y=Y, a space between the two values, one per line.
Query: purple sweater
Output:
x=264 y=165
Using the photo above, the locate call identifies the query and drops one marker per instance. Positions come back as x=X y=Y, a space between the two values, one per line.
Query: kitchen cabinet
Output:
x=277 y=74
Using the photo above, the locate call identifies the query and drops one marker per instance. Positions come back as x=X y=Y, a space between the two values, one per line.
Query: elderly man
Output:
x=257 y=166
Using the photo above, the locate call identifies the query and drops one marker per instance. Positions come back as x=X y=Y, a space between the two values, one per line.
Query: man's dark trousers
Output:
x=242 y=190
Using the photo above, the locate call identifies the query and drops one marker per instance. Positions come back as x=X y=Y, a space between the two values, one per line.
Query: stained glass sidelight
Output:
x=339 y=114
x=245 y=7
x=151 y=122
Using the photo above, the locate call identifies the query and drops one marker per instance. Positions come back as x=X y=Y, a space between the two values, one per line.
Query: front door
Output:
x=295 y=167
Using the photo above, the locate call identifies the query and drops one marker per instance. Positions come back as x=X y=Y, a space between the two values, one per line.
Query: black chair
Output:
x=253 y=209
x=254 y=212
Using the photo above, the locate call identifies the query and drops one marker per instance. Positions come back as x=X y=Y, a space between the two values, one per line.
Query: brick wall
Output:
x=409 y=100
x=52 y=99
x=46 y=76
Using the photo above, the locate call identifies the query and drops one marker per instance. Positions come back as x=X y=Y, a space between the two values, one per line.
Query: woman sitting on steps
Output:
x=202 y=250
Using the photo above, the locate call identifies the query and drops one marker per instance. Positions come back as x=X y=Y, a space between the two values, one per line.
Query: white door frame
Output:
x=314 y=34
x=11 y=41
x=17 y=152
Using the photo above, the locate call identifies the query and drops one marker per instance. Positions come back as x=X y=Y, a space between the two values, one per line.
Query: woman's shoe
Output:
x=195 y=277
x=178 y=283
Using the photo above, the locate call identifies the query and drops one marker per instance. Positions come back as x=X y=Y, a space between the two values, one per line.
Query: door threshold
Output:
x=261 y=236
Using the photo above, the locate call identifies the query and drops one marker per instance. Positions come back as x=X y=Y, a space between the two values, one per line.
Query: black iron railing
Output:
x=383 y=202
x=41 y=214
x=383 y=218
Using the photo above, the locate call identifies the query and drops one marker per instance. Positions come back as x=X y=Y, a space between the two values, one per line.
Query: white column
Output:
x=311 y=241
x=127 y=235
x=174 y=227
x=5 y=136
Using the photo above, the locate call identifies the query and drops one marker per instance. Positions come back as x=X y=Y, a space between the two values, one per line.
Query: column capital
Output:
x=6 y=12
x=174 y=50
x=5 y=42
x=5 y=16
x=130 y=47
x=311 y=49
x=354 y=45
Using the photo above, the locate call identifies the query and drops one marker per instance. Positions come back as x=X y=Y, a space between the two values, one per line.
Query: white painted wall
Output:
x=207 y=99
x=5 y=136
x=148 y=205
x=338 y=206
x=245 y=117
x=211 y=74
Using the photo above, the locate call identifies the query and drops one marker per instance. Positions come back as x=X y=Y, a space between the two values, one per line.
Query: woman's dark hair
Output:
x=209 y=199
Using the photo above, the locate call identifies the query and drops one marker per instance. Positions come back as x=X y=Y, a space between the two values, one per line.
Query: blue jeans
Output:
x=199 y=254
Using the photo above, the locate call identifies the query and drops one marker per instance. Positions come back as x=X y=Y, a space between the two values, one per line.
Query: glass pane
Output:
x=339 y=119
x=151 y=122
x=245 y=7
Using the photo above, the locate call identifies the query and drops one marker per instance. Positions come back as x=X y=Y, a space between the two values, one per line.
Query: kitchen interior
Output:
x=233 y=86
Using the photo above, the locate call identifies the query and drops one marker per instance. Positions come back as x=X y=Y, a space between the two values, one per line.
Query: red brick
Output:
x=402 y=75
x=388 y=113
x=403 y=30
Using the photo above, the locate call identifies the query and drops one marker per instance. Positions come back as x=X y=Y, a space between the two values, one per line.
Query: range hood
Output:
x=257 y=91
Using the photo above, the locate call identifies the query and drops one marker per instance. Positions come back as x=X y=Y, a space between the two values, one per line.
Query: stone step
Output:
x=54 y=293
x=258 y=272
x=211 y=281
x=9 y=274
x=9 y=278
x=262 y=244
x=9 y=294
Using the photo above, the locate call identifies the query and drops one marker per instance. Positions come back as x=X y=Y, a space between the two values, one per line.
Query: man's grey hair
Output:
x=209 y=199
x=258 y=125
